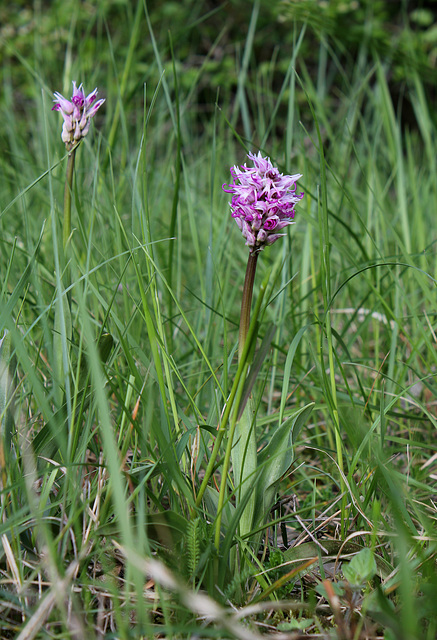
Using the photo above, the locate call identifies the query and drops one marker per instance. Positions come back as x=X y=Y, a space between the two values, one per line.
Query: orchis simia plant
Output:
x=77 y=114
x=263 y=202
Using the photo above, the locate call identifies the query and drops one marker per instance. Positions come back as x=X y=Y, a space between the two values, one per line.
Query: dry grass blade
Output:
x=57 y=593
x=199 y=603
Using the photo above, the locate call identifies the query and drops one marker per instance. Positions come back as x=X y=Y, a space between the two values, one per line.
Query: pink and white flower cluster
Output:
x=263 y=201
x=77 y=114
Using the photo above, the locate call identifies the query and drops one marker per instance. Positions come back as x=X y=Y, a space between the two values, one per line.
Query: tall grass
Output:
x=107 y=425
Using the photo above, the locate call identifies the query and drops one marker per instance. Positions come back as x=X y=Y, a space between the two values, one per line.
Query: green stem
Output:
x=227 y=459
x=67 y=197
x=220 y=433
x=243 y=343
x=240 y=371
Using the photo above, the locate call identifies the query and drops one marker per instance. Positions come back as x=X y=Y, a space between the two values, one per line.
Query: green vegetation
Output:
x=118 y=352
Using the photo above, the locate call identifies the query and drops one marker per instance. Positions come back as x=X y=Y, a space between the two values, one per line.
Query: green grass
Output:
x=109 y=405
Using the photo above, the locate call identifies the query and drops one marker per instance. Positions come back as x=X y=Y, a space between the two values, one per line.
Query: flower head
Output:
x=77 y=113
x=262 y=201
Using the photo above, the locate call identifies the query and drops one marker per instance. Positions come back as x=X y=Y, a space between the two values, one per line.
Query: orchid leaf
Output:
x=258 y=361
x=276 y=458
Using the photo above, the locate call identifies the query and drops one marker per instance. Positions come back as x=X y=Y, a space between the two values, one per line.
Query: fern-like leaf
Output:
x=193 y=541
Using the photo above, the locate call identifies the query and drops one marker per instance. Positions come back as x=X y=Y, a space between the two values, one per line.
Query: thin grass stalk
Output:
x=279 y=315
x=155 y=333
x=175 y=202
x=153 y=341
x=240 y=104
x=326 y=290
x=5 y=400
x=134 y=35
x=159 y=342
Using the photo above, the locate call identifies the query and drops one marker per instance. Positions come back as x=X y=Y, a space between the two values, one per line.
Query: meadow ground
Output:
x=154 y=483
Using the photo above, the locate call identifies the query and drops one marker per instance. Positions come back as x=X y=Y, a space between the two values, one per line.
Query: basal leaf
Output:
x=275 y=459
x=361 y=568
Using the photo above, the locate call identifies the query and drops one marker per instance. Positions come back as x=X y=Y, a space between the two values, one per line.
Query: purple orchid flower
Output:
x=263 y=201
x=77 y=113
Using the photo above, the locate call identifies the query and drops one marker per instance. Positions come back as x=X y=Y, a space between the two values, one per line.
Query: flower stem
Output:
x=244 y=453
x=250 y=334
x=220 y=433
x=67 y=197
x=227 y=459
x=246 y=302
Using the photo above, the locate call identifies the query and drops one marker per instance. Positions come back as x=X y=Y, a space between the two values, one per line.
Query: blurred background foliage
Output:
x=210 y=36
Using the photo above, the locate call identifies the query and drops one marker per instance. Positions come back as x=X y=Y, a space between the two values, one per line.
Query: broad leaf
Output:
x=276 y=458
x=361 y=568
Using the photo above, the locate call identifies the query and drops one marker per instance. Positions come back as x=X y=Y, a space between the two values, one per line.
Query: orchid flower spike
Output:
x=263 y=201
x=77 y=114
